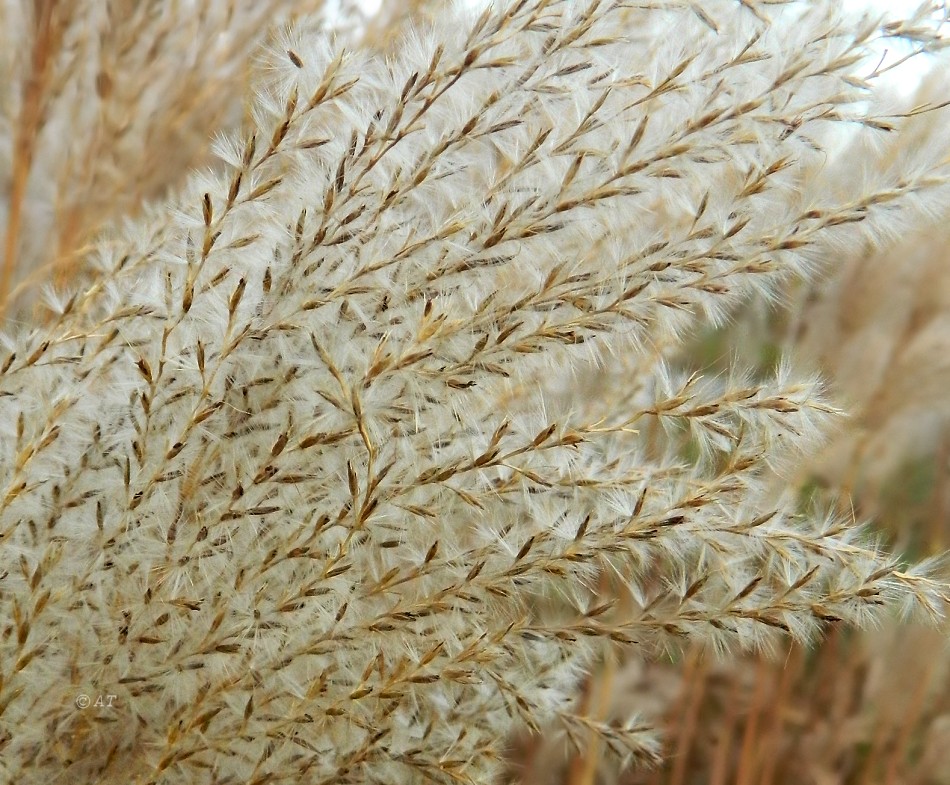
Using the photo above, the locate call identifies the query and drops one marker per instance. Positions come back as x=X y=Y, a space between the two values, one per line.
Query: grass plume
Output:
x=293 y=474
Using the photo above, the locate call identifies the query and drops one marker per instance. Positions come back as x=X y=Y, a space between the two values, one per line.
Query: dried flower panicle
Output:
x=286 y=477
x=875 y=323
